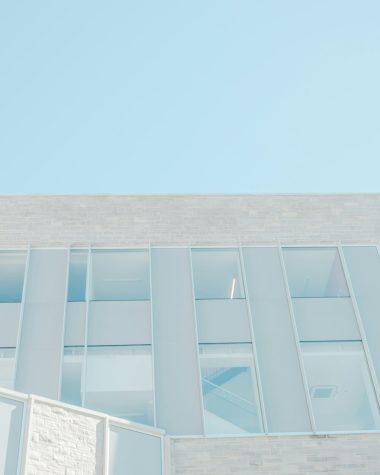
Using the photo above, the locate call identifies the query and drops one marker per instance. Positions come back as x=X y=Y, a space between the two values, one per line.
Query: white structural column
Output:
x=41 y=337
x=178 y=403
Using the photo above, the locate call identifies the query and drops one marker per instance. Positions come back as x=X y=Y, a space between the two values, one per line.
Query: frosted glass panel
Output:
x=11 y=413
x=217 y=274
x=325 y=319
x=223 y=321
x=134 y=453
x=119 y=323
x=42 y=333
x=280 y=371
x=120 y=275
x=71 y=375
x=75 y=323
x=315 y=272
x=77 y=276
x=177 y=382
x=9 y=324
x=7 y=367
x=364 y=266
x=340 y=387
x=119 y=382
x=229 y=389
x=12 y=269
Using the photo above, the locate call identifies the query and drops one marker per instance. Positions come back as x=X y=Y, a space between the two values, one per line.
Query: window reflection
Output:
x=134 y=453
x=229 y=389
x=12 y=269
x=119 y=381
x=7 y=367
x=77 y=276
x=120 y=275
x=217 y=274
x=315 y=272
x=72 y=375
x=11 y=417
x=340 y=386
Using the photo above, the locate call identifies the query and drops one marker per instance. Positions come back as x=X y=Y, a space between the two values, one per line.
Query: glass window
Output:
x=11 y=414
x=12 y=270
x=340 y=386
x=119 y=381
x=7 y=367
x=134 y=452
x=77 y=276
x=315 y=272
x=229 y=389
x=72 y=375
x=217 y=274
x=120 y=275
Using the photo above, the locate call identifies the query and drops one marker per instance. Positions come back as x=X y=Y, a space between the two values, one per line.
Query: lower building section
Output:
x=39 y=436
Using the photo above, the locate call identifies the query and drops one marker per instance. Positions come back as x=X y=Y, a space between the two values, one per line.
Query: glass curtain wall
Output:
x=12 y=274
x=108 y=357
x=134 y=452
x=338 y=378
x=229 y=384
x=11 y=418
x=75 y=328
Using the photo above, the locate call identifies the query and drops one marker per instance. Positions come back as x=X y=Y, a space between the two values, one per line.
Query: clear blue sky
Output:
x=189 y=96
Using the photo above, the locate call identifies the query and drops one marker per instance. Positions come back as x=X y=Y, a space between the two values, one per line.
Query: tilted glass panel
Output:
x=217 y=274
x=119 y=381
x=77 y=276
x=315 y=272
x=176 y=366
x=39 y=361
x=11 y=415
x=134 y=453
x=280 y=371
x=12 y=270
x=120 y=275
x=229 y=389
x=363 y=263
x=340 y=386
x=7 y=367
x=72 y=375
x=325 y=319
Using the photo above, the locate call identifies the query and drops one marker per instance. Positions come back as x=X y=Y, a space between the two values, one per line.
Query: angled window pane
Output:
x=119 y=381
x=134 y=453
x=120 y=275
x=11 y=414
x=12 y=270
x=7 y=367
x=315 y=272
x=280 y=371
x=72 y=375
x=340 y=386
x=229 y=389
x=77 y=276
x=364 y=266
x=217 y=274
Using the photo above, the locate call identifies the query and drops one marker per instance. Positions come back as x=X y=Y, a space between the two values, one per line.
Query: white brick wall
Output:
x=280 y=455
x=64 y=442
x=127 y=220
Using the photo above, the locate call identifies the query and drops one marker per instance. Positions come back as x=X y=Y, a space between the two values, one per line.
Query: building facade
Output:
x=190 y=334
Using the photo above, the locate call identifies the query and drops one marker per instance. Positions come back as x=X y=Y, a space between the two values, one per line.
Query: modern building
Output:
x=190 y=334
